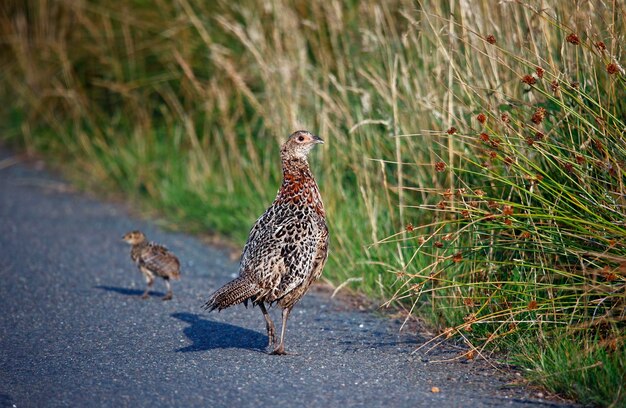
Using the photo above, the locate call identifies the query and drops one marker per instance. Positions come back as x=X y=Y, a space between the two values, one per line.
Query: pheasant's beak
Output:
x=317 y=139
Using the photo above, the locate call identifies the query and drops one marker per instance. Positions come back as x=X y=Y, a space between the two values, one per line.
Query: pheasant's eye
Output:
x=301 y=139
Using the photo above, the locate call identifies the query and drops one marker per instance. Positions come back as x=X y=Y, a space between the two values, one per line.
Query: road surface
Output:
x=74 y=332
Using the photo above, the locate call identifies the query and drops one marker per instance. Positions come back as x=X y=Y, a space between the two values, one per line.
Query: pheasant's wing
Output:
x=281 y=250
x=160 y=261
x=321 y=253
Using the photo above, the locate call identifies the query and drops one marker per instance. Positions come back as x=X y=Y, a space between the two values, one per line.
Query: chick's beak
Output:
x=317 y=139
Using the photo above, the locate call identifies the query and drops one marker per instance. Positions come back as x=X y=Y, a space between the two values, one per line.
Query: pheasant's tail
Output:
x=234 y=292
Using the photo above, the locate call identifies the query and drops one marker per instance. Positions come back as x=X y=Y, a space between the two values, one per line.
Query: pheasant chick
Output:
x=153 y=260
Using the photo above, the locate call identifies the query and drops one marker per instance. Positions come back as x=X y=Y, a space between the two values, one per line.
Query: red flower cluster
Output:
x=554 y=85
x=539 y=72
x=529 y=79
x=482 y=118
x=612 y=68
x=538 y=116
x=573 y=39
x=491 y=39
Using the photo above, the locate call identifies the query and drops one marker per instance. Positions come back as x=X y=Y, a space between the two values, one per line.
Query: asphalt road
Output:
x=73 y=331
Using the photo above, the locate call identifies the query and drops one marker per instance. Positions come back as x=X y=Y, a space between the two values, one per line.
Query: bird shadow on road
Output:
x=208 y=335
x=6 y=401
x=128 y=292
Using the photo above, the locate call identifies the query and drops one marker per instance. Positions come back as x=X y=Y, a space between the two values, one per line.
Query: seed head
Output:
x=554 y=85
x=569 y=167
x=505 y=118
x=482 y=118
x=484 y=137
x=598 y=144
x=539 y=71
x=410 y=227
x=601 y=45
x=612 y=68
x=573 y=39
x=440 y=166
x=507 y=210
x=532 y=305
x=491 y=39
x=529 y=79
x=458 y=257
x=538 y=116
x=451 y=131
x=607 y=274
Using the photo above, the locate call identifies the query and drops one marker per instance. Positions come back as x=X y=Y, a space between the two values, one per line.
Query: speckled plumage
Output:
x=287 y=247
x=153 y=260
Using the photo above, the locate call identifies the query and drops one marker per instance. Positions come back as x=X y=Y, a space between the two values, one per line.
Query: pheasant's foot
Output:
x=280 y=351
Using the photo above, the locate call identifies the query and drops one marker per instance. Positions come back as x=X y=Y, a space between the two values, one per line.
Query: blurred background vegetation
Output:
x=473 y=170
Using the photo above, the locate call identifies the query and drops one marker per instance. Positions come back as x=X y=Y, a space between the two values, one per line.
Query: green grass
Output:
x=582 y=367
x=509 y=240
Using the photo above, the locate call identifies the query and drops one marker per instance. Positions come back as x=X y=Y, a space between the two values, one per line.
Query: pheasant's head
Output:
x=134 y=237
x=299 y=145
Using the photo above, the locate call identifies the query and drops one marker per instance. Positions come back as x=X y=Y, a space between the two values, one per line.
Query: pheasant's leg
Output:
x=280 y=350
x=269 y=325
x=149 y=281
x=169 y=294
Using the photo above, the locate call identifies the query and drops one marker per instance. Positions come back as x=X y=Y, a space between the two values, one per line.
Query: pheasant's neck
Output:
x=136 y=249
x=299 y=187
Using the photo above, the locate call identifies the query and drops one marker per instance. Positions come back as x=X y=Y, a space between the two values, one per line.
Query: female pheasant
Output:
x=287 y=247
x=153 y=259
